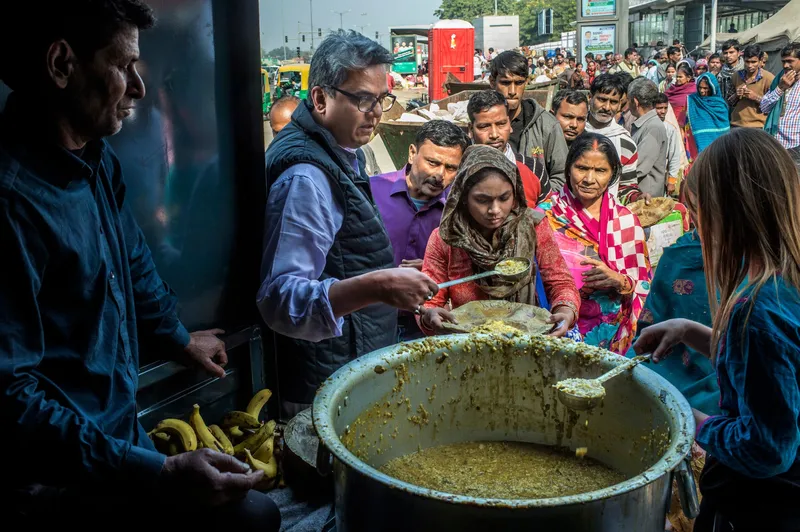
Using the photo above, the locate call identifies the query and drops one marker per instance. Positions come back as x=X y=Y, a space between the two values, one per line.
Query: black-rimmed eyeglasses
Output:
x=366 y=104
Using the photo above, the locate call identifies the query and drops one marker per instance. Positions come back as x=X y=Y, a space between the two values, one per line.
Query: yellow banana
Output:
x=255 y=441
x=203 y=434
x=222 y=438
x=240 y=419
x=180 y=429
x=264 y=453
x=172 y=450
x=258 y=401
x=160 y=441
x=269 y=468
x=235 y=433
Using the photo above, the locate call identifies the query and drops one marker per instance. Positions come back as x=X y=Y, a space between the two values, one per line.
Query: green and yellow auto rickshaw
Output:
x=292 y=80
x=267 y=96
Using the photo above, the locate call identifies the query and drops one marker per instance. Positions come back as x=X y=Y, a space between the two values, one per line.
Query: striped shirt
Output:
x=628 y=156
x=789 y=125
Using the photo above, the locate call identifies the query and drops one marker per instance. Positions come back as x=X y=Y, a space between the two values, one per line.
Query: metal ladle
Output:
x=587 y=402
x=511 y=277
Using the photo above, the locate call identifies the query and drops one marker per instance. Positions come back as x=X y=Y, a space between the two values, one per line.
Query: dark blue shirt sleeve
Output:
x=74 y=446
x=156 y=304
x=762 y=441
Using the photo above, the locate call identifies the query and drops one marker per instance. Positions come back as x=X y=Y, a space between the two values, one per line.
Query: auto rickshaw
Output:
x=292 y=80
x=267 y=97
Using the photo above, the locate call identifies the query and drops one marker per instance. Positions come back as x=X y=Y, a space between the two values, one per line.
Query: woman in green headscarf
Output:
x=486 y=219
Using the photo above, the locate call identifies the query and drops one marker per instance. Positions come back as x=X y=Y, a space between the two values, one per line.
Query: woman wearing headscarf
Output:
x=652 y=71
x=678 y=93
x=486 y=219
x=591 y=71
x=707 y=116
x=607 y=239
x=701 y=67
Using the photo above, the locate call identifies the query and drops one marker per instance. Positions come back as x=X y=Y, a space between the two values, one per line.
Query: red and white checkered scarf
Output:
x=621 y=245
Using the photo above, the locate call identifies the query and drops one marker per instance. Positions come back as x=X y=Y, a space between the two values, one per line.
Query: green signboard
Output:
x=404 y=50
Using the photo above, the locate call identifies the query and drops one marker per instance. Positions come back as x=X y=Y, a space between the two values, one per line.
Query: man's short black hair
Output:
x=731 y=43
x=752 y=50
x=483 y=101
x=625 y=78
x=442 y=133
x=714 y=56
x=611 y=54
x=676 y=42
x=509 y=63
x=607 y=84
x=662 y=98
x=570 y=96
x=87 y=26
x=629 y=51
x=672 y=49
x=791 y=50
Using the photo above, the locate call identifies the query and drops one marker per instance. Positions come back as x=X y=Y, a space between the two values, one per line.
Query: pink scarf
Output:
x=678 y=95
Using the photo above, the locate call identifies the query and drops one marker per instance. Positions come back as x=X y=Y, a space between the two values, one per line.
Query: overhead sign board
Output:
x=598 y=8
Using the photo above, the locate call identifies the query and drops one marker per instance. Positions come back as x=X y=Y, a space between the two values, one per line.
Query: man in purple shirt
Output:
x=411 y=199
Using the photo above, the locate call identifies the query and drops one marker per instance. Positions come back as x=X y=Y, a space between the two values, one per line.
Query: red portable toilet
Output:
x=451 y=47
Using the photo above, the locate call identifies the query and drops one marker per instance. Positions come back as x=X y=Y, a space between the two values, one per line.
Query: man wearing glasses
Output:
x=329 y=288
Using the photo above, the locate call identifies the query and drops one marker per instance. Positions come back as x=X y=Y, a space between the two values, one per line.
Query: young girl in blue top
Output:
x=744 y=192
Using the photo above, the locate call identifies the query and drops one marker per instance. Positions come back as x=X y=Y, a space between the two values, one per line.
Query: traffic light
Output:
x=319 y=32
x=286 y=39
x=304 y=38
x=298 y=51
x=376 y=35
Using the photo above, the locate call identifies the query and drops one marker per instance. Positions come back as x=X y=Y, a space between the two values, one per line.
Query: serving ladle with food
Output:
x=585 y=394
x=512 y=269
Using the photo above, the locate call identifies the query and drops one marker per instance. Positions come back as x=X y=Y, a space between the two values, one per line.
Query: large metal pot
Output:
x=475 y=388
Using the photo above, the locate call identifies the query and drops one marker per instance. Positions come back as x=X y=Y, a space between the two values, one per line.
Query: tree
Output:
x=472 y=9
x=564 y=17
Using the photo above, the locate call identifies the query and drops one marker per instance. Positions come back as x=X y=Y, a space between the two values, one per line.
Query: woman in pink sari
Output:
x=678 y=93
x=602 y=243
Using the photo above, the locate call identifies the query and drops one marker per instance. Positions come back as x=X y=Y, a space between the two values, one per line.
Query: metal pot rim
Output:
x=682 y=425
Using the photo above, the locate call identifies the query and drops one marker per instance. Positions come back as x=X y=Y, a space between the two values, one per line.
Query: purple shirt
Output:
x=408 y=228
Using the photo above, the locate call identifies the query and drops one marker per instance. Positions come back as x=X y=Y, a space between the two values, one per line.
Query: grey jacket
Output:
x=544 y=138
x=651 y=168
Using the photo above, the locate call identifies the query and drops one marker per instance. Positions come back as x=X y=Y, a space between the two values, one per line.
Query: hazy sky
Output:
x=379 y=15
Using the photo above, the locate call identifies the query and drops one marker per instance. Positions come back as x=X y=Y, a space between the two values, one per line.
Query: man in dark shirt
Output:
x=534 y=132
x=79 y=289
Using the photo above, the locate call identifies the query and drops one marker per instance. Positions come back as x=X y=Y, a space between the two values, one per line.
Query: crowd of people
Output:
x=555 y=186
x=352 y=262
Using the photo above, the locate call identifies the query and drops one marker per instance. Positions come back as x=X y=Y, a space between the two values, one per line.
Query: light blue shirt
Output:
x=301 y=222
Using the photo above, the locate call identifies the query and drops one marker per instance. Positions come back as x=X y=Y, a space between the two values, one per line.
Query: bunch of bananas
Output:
x=242 y=435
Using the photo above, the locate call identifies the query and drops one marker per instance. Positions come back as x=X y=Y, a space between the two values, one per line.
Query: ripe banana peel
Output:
x=258 y=401
x=181 y=430
x=222 y=438
x=255 y=441
x=203 y=434
x=243 y=420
